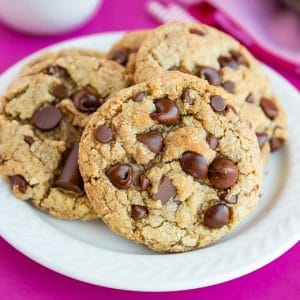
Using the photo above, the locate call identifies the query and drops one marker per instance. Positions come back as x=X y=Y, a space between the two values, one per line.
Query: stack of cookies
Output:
x=164 y=137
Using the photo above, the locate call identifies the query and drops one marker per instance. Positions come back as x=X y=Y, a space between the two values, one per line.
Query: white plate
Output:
x=88 y=251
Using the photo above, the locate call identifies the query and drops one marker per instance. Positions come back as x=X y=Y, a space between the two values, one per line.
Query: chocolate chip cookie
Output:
x=42 y=117
x=170 y=164
x=124 y=51
x=212 y=55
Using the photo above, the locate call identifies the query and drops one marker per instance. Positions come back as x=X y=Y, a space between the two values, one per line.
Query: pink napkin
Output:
x=266 y=27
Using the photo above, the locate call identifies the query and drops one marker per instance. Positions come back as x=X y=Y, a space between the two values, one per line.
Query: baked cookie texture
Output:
x=207 y=53
x=43 y=114
x=124 y=51
x=170 y=164
x=73 y=52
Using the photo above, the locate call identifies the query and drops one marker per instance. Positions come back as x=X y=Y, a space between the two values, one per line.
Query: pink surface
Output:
x=21 y=278
x=269 y=24
x=268 y=29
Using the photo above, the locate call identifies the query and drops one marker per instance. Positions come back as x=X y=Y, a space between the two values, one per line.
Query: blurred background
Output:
x=270 y=29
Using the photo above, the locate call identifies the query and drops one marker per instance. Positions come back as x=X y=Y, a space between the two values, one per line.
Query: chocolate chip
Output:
x=70 y=178
x=57 y=71
x=217 y=216
x=86 y=101
x=238 y=57
x=144 y=182
x=212 y=141
x=233 y=61
x=228 y=61
x=217 y=103
x=139 y=96
x=153 y=140
x=276 y=143
x=60 y=91
x=120 y=175
x=197 y=31
x=18 y=181
x=166 y=113
x=269 y=107
x=262 y=138
x=194 y=164
x=250 y=98
x=231 y=199
x=210 y=74
x=223 y=173
x=28 y=139
x=47 y=118
x=166 y=190
x=103 y=134
x=229 y=86
x=120 y=56
x=186 y=97
x=138 y=212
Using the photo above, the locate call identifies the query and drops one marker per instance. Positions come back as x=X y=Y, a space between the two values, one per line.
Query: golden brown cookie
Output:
x=169 y=163
x=42 y=117
x=220 y=59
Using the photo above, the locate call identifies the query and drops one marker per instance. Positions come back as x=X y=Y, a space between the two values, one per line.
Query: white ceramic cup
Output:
x=46 y=17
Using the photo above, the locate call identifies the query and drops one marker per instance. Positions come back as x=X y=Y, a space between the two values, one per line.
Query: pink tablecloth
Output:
x=21 y=278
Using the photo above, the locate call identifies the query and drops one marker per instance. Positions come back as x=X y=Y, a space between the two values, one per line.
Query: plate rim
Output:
x=120 y=285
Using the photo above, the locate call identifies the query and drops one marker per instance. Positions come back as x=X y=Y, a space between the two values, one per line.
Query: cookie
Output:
x=212 y=55
x=61 y=53
x=124 y=51
x=42 y=117
x=170 y=164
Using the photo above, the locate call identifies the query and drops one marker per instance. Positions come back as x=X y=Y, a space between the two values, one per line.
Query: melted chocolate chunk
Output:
x=228 y=61
x=186 y=97
x=212 y=141
x=166 y=113
x=231 y=199
x=103 y=134
x=229 y=86
x=86 y=101
x=210 y=74
x=217 y=216
x=120 y=55
x=19 y=182
x=276 y=143
x=217 y=103
x=269 y=108
x=70 y=178
x=239 y=58
x=57 y=71
x=138 y=212
x=28 y=139
x=194 y=164
x=47 y=118
x=262 y=138
x=120 y=175
x=60 y=91
x=197 y=31
x=144 y=182
x=166 y=190
x=223 y=173
x=153 y=140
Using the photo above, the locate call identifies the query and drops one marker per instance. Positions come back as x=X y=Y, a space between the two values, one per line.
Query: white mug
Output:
x=46 y=17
